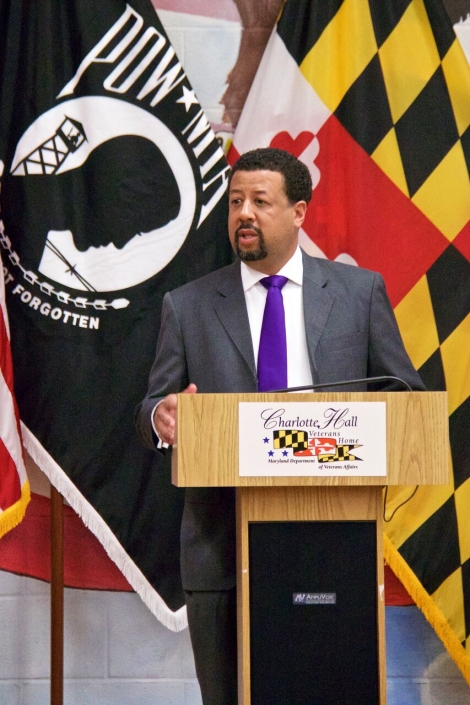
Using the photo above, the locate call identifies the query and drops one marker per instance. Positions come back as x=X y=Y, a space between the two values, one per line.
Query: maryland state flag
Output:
x=374 y=96
x=112 y=193
x=14 y=485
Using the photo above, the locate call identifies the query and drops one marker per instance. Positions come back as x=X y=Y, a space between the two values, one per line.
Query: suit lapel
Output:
x=230 y=307
x=317 y=306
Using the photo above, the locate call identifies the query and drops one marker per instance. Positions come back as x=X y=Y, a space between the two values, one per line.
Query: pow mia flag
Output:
x=112 y=193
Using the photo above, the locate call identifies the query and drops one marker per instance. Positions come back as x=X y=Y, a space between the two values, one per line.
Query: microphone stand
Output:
x=343 y=383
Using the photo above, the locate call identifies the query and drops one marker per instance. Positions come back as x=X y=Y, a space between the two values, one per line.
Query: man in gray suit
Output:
x=339 y=326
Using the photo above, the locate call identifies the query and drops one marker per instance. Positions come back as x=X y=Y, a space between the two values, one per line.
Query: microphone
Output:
x=344 y=383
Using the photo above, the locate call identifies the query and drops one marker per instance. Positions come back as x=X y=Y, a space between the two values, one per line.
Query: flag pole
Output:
x=57 y=598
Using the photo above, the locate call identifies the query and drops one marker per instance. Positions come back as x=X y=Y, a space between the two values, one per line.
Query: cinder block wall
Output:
x=117 y=653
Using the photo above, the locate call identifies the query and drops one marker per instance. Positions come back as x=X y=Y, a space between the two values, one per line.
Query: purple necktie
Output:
x=272 y=355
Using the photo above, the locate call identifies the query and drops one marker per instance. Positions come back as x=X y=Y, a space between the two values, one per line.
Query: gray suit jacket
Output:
x=205 y=338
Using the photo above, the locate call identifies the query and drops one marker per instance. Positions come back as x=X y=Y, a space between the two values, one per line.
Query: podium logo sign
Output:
x=299 y=439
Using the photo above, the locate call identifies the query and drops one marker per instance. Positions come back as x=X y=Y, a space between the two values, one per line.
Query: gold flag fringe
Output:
x=12 y=516
x=428 y=607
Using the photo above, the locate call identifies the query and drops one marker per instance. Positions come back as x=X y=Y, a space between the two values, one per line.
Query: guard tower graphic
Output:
x=51 y=154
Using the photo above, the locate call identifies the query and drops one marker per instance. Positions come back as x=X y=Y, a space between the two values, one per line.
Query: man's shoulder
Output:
x=338 y=270
x=208 y=283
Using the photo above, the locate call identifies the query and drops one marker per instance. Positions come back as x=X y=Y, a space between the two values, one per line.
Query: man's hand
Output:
x=164 y=417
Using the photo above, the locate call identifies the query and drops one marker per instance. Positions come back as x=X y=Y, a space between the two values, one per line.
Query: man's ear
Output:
x=300 y=209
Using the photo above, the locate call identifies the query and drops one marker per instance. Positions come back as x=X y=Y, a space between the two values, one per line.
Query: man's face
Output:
x=263 y=225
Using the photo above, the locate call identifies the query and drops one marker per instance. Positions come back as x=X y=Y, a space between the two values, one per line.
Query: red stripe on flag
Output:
x=13 y=498
x=396 y=595
x=26 y=550
x=6 y=364
x=10 y=488
x=356 y=209
x=232 y=155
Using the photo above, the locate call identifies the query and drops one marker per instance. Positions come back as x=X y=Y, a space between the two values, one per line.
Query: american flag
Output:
x=14 y=486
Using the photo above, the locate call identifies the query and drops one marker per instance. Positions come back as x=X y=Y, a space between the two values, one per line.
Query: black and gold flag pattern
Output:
x=298 y=440
x=381 y=90
x=340 y=453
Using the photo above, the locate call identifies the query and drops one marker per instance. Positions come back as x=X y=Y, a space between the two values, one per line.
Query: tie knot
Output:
x=275 y=280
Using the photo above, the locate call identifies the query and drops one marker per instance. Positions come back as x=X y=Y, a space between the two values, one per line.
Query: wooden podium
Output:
x=326 y=515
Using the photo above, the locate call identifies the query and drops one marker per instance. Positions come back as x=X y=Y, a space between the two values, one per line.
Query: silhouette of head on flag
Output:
x=125 y=187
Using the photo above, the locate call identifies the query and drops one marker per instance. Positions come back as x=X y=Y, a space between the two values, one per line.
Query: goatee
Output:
x=251 y=255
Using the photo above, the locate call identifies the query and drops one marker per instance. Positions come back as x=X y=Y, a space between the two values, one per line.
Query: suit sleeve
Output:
x=387 y=354
x=169 y=370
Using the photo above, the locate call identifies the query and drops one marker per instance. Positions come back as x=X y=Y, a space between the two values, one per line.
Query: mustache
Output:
x=248 y=226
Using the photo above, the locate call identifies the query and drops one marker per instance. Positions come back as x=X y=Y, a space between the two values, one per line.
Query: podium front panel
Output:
x=313 y=613
x=206 y=453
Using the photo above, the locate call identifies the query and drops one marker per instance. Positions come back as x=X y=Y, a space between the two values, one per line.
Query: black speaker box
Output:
x=313 y=613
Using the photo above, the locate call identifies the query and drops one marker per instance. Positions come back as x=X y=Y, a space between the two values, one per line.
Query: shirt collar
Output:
x=293 y=270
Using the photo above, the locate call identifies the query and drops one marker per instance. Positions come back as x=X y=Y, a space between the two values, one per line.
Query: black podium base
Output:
x=313 y=613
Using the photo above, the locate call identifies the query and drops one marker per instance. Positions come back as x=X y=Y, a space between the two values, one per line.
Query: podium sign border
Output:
x=279 y=439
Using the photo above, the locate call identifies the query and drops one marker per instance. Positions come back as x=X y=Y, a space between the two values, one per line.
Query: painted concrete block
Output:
x=143 y=693
x=192 y=693
x=164 y=692
x=31 y=586
x=403 y=691
x=36 y=693
x=86 y=634
x=408 y=691
x=24 y=637
x=140 y=647
x=10 y=694
x=412 y=644
x=11 y=584
x=443 y=667
x=445 y=692
x=83 y=692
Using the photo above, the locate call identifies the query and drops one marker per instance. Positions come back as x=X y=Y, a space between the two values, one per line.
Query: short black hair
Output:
x=297 y=179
